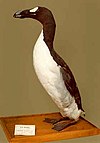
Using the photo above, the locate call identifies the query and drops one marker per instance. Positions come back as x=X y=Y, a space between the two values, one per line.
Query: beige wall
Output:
x=77 y=40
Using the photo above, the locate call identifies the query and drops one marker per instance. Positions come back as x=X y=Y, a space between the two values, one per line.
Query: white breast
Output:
x=50 y=77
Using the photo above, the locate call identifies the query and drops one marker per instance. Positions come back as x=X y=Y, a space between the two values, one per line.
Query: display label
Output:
x=26 y=130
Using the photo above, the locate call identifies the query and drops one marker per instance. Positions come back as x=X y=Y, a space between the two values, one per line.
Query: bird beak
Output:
x=22 y=14
x=17 y=14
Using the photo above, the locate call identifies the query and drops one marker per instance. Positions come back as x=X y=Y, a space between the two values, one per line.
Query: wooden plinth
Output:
x=44 y=131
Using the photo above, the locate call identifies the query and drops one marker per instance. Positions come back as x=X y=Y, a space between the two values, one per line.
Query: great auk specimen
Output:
x=52 y=71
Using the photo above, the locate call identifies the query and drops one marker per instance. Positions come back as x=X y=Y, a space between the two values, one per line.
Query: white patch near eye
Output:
x=34 y=9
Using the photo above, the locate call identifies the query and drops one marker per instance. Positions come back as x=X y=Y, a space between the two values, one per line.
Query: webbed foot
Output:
x=62 y=125
x=52 y=121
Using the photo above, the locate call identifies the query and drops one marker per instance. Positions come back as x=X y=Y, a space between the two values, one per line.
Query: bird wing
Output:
x=68 y=78
x=71 y=85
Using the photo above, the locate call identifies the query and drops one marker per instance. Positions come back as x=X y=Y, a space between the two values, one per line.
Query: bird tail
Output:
x=83 y=113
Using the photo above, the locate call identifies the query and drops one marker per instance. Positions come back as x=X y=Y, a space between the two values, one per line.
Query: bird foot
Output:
x=54 y=121
x=51 y=121
x=62 y=125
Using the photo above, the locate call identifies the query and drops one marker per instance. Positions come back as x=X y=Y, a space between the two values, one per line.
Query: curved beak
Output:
x=22 y=14
x=17 y=14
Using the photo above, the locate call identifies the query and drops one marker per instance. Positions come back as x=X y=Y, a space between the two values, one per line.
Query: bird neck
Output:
x=49 y=33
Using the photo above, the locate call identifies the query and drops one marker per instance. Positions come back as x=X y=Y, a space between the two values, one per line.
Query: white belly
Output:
x=50 y=77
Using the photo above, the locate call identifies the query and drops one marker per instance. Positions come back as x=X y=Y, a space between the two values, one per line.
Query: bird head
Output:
x=28 y=13
x=41 y=14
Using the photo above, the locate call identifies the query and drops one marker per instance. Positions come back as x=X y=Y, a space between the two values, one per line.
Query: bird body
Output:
x=53 y=73
x=51 y=78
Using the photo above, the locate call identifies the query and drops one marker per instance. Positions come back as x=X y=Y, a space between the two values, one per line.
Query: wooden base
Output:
x=44 y=131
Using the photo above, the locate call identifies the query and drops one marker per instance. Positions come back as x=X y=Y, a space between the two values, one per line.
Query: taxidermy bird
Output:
x=52 y=71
